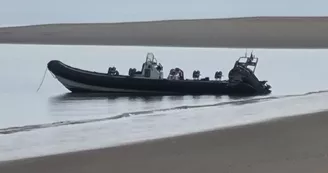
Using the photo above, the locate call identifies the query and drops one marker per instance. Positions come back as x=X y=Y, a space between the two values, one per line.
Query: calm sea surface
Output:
x=52 y=120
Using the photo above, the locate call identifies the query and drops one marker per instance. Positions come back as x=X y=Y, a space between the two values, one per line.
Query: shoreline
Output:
x=295 y=143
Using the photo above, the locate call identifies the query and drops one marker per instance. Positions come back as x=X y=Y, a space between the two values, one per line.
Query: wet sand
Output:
x=296 y=144
x=251 y=32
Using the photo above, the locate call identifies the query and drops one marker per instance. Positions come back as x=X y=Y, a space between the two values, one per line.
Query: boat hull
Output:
x=78 y=87
x=78 y=80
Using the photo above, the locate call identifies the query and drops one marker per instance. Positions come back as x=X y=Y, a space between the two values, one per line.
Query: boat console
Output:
x=150 y=69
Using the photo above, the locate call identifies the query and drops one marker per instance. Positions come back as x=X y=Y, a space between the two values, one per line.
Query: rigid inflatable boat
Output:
x=149 y=80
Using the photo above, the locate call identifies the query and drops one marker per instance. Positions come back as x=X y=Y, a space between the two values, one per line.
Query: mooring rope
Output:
x=44 y=76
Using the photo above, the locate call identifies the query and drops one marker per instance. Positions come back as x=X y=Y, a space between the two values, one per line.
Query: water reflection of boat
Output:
x=102 y=96
x=75 y=102
x=150 y=80
x=78 y=97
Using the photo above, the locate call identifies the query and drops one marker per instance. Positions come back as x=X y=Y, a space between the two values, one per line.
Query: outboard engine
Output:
x=218 y=75
x=243 y=75
x=112 y=71
x=196 y=74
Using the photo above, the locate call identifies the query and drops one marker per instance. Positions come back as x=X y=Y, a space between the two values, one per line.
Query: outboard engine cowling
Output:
x=241 y=74
x=242 y=78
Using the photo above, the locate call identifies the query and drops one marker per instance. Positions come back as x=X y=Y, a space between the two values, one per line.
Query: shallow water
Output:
x=51 y=120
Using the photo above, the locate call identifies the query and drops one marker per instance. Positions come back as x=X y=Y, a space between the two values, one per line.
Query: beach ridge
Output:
x=243 y=32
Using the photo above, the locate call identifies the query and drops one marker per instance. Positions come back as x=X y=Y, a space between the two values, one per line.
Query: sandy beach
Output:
x=248 y=32
x=295 y=145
